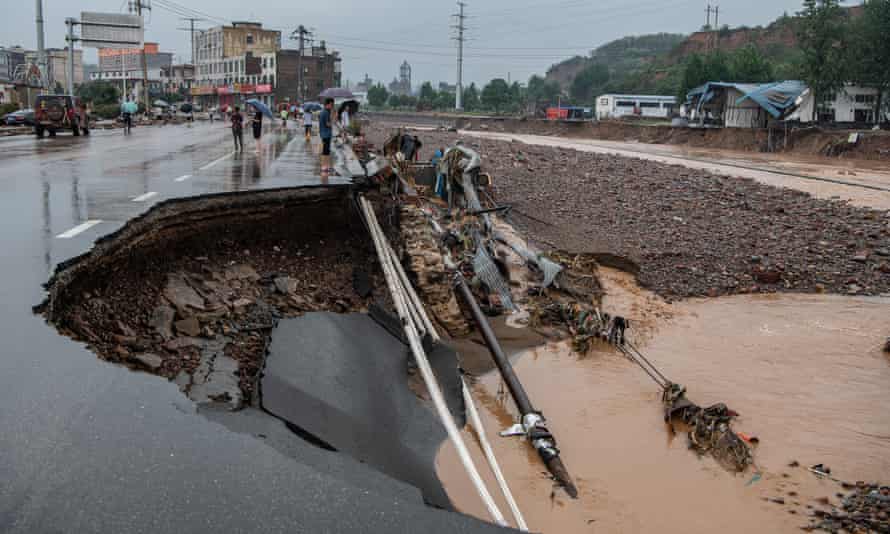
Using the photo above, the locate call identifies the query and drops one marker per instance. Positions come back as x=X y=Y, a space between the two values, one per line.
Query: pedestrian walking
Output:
x=257 y=123
x=307 y=123
x=325 y=131
x=284 y=116
x=238 y=129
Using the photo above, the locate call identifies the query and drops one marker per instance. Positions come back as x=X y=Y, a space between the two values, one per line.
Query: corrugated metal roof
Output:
x=776 y=98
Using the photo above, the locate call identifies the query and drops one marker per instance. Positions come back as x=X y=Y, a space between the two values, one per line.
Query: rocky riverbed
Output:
x=685 y=232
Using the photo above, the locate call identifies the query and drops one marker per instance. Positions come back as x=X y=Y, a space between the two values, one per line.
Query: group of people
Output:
x=325 y=129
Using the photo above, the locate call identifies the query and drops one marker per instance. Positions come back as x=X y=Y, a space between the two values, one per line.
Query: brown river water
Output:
x=806 y=372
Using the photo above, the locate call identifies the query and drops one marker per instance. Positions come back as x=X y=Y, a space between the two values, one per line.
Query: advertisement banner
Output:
x=263 y=89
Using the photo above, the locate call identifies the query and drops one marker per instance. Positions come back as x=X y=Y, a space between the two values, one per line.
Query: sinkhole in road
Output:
x=191 y=290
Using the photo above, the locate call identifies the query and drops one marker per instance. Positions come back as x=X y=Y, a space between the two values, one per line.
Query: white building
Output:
x=615 y=106
x=850 y=104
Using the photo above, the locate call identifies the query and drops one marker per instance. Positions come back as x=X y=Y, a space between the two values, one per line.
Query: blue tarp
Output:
x=776 y=98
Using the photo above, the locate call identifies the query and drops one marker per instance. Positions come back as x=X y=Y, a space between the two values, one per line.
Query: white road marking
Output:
x=146 y=196
x=214 y=162
x=78 y=229
x=183 y=178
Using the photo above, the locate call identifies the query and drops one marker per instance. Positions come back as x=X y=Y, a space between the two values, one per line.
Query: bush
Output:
x=106 y=111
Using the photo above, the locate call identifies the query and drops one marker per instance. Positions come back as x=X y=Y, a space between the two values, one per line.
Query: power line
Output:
x=191 y=30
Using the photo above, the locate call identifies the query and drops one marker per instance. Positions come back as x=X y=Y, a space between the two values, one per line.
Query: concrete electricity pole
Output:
x=458 y=101
x=191 y=30
x=70 y=74
x=301 y=34
x=139 y=6
x=41 y=48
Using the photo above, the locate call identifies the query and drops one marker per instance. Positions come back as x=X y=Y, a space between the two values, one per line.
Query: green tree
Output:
x=821 y=29
x=427 y=96
x=747 y=64
x=496 y=95
x=541 y=93
x=99 y=92
x=377 y=95
x=444 y=101
x=589 y=83
x=394 y=101
x=408 y=101
x=869 y=53
x=470 y=100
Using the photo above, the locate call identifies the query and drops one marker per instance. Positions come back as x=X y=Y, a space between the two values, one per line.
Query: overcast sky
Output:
x=515 y=38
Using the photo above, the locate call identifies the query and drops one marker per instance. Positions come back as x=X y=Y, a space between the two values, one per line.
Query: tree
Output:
x=747 y=64
x=377 y=95
x=471 y=98
x=820 y=34
x=869 y=53
x=589 y=82
x=444 y=100
x=541 y=93
x=394 y=101
x=99 y=92
x=427 y=95
x=496 y=95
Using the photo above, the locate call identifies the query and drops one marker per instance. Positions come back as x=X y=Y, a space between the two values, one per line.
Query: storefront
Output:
x=233 y=95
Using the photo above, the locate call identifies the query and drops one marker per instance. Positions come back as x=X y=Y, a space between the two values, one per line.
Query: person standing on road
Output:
x=284 y=117
x=325 y=131
x=307 y=123
x=257 y=123
x=238 y=129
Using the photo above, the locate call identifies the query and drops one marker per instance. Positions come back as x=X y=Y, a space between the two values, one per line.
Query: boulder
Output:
x=162 y=321
x=189 y=327
x=150 y=361
x=182 y=296
x=285 y=285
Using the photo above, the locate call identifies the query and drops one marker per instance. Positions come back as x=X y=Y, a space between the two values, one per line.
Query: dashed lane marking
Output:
x=183 y=178
x=214 y=162
x=144 y=197
x=78 y=229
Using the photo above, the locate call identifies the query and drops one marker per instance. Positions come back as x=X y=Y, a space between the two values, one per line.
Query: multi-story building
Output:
x=57 y=66
x=402 y=85
x=10 y=60
x=233 y=63
x=124 y=65
x=178 y=79
x=321 y=70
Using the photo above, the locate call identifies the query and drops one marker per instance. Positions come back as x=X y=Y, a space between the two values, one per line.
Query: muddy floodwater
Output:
x=806 y=372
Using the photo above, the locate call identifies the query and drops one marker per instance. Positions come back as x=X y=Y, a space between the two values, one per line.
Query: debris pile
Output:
x=689 y=232
x=864 y=509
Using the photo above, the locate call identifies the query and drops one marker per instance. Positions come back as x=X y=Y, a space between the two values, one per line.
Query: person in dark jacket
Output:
x=326 y=131
x=257 y=123
x=238 y=128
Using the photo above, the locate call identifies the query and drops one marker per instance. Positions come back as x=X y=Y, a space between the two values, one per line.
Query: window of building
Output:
x=249 y=39
x=648 y=104
x=865 y=99
x=626 y=104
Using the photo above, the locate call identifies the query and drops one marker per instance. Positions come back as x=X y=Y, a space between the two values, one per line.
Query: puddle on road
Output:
x=805 y=371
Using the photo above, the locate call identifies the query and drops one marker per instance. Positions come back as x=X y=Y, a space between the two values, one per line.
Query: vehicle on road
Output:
x=22 y=117
x=54 y=113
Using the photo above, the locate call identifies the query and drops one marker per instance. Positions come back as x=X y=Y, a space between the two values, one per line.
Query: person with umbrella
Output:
x=238 y=129
x=257 y=120
x=326 y=131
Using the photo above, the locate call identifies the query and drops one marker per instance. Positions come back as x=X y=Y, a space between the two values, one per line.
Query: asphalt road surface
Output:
x=88 y=446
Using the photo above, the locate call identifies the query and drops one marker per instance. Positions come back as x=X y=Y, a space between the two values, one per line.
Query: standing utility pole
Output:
x=716 y=17
x=458 y=101
x=70 y=39
x=708 y=17
x=300 y=34
x=191 y=30
x=139 y=6
x=41 y=48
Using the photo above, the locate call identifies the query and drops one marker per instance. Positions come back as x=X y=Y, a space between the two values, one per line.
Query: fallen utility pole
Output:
x=532 y=424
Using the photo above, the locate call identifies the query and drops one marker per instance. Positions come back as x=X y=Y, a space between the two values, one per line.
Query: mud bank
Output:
x=191 y=290
x=686 y=232
x=804 y=141
x=805 y=371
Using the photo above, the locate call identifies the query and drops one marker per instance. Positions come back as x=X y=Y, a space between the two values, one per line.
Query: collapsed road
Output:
x=91 y=446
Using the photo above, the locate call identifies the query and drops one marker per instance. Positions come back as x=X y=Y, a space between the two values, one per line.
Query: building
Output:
x=57 y=66
x=402 y=85
x=321 y=70
x=445 y=87
x=851 y=104
x=364 y=85
x=614 y=106
x=178 y=79
x=124 y=65
x=10 y=61
x=234 y=63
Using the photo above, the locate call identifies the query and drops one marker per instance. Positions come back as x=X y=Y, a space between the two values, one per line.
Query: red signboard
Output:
x=557 y=113
x=246 y=89
x=263 y=89
x=223 y=90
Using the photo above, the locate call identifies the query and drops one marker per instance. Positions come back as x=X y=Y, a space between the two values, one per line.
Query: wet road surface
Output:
x=863 y=183
x=805 y=371
x=88 y=446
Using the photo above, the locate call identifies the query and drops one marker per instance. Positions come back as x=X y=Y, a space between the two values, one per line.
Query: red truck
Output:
x=53 y=113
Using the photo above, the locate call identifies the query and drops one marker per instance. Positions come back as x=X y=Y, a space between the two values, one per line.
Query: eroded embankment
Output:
x=191 y=290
